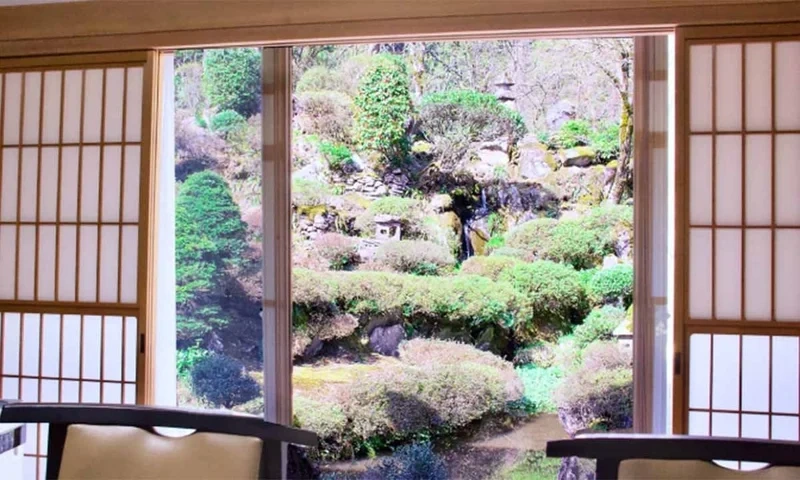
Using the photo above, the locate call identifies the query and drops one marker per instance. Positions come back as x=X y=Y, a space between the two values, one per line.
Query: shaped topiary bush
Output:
x=419 y=257
x=383 y=108
x=337 y=155
x=554 y=297
x=410 y=462
x=222 y=381
x=327 y=114
x=232 y=79
x=227 y=121
x=599 y=325
x=612 y=285
x=455 y=118
x=339 y=250
x=489 y=267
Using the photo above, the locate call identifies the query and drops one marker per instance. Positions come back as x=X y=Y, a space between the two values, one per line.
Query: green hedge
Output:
x=599 y=325
x=580 y=242
x=553 y=295
x=613 y=285
x=419 y=257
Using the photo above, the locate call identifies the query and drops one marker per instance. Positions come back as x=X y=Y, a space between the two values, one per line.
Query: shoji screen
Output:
x=74 y=185
x=738 y=314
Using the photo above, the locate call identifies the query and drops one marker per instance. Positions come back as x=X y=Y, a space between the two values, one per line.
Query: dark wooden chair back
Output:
x=61 y=416
x=612 y=449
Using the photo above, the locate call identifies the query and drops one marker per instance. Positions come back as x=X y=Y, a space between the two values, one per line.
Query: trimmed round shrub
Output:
x=227 y=121
x=406 y=400
x=383 y=108
x=430 y=352
x=490 y=267
x=599 y=325
x=598 y=395
x=339 y=250
x=454 y=119
x=328 y=421
x=232 y=79
x=410 y=462
x=222 y=381
x=613 y=285
x=419 y=257
x=573 y=133
x=553 y=294
x=327 y=114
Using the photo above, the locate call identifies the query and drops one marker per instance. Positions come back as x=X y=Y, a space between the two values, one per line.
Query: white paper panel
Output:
x=51 y=114
x=112 y=393
x=91 y=392
x=26 y=273
x=755 y=426
x=128 y=269
x=30 y=345
x=728 y=275
x=51 y=345
x=112 y=348
x=67 y=260
x=755 y=373
x=92 y=106
x=48 y=192
x=758 y=90
x=700 y=254
x=46 y=275
x=28 y=197
x=729 y=87
x=12 y=323
x=758 y=274
x=784 y=428
x=90 y=184
x=115 y=83
x=13 y=102
x=785 y=373
x=131 y=339
x=72 y=106
x=698 y=423
x=787 y=264
x=700 y=87
x=729 y=180
x=758 y=179
x=700 y=177
x=92 y=339
x=787 y=179
x=725 y=384
x=112 y=166
x=8 y=255
x=699 y=370
x=724 y=425
x=131 y=186
x=133 y=108
x=49 y=394
x=130 y=394
x=68 y=192
x=30 y=393
x=109 y=263
x=70 y=367
x=33 y=97
x=87 y=266
x=787 y=84
x=70 y=392
x=8 y=188
x=10 y=386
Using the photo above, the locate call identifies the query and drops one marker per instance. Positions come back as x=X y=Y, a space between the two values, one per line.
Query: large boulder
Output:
x=534 y=161
x=578 y=157
x=386 y=339
x=559 y=113
x=487 y=160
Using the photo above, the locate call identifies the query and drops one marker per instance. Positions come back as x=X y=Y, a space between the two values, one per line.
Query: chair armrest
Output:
x=618 y=447
x=149 y=417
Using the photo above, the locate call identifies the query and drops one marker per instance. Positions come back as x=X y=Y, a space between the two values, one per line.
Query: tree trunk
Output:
x=623 y=172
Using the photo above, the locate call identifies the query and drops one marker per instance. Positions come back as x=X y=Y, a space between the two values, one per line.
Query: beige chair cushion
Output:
x=696 y=469
x=94 y=452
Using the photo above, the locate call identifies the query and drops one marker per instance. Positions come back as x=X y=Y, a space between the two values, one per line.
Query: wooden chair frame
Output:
x=61 y=416
x=611 y=449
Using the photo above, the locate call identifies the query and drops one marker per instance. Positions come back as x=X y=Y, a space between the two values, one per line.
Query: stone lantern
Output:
x=387 y=227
